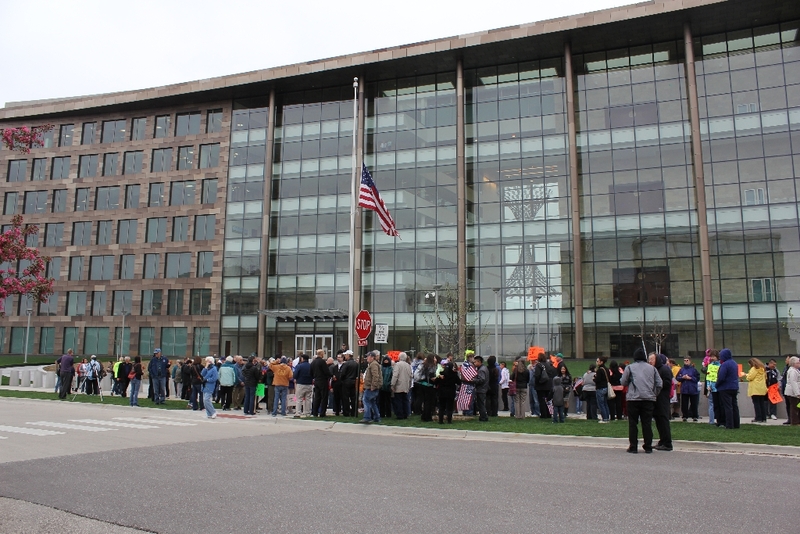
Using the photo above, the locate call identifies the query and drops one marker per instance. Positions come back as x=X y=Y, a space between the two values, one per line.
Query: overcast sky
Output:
x=61 y=48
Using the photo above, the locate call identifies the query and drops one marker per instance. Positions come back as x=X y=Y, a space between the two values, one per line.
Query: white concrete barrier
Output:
x=37 y=379
x=25 y=378
x=50 y=380
x=13 y=378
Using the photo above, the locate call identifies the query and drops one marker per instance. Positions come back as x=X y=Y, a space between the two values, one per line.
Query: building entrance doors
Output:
x=310 y=343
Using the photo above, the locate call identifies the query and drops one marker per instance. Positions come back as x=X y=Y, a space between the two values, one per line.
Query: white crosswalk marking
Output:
x=112 y=423
x=165 y=422
x=68 y=426
x=29 y=431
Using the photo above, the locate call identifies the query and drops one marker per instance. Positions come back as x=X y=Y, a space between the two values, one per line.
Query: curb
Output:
x=544 y=439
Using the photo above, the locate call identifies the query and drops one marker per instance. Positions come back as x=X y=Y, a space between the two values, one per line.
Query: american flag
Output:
x=370 y=198
x=464 y=398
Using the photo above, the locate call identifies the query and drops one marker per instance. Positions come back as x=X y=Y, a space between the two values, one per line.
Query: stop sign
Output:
x=363 y=324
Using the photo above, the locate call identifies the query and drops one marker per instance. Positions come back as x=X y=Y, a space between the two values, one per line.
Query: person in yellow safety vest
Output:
x=115 y=387
x=711 y=370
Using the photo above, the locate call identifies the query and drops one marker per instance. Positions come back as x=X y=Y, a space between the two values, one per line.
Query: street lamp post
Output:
x=537 y=319
x=27 y=334
x=436 y=288
x=496 y=330
x=122 y=334
x=435 y=296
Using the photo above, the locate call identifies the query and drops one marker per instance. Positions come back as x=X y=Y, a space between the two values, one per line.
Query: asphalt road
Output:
x=183 y=473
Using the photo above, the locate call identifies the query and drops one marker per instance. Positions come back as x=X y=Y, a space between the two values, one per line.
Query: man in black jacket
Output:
x=252 y=376
x=336 y=384
x=661 y=413
x=322 y=375
x=481 y=383
x=543 y=383
x=348 y=374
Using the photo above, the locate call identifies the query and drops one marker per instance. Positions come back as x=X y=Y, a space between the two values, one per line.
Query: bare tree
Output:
x=446 y=315
x=657 y=335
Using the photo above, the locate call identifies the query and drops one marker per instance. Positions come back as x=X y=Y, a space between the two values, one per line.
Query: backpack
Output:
x=544 y=378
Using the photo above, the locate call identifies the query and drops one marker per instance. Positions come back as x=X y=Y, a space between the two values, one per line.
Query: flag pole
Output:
x=354 y=186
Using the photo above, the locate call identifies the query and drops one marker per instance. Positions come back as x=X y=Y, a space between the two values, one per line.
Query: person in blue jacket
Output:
x=728 y=388
x=158 y=369
x=689 y=378
x=210 y=377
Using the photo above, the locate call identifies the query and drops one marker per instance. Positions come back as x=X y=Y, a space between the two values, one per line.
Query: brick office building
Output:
x=572 y=179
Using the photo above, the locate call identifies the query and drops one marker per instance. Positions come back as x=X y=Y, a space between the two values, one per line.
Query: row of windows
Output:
x=115 y=131
x=173 y=341
x=155 y=231
x=177 y=265
x=152 y=303
x=132 y=163
x=182 y=193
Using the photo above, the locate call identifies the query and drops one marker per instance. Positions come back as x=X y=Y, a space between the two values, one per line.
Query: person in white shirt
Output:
x=504 y=385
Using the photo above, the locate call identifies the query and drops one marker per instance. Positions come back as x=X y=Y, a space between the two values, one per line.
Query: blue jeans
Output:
x=533 y=401
x=280 y=396
x=400 y=405
x=159 y=383
x=249 y=399
x=558 y=414
x=602 y=403
x=371 y=412
x=135 y=383
x=711 y=420
x=208 y=401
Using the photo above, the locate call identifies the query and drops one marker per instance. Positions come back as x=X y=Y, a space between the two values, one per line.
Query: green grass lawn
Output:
x=768 y=435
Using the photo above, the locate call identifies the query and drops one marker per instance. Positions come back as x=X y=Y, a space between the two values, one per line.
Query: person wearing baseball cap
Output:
x=373 y=380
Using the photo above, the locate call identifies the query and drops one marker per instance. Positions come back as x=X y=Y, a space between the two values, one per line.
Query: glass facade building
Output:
x=573 y=184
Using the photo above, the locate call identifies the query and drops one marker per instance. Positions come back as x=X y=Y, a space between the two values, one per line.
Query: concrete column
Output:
x=265 y=220
x=50 y=380
x=37 y=378
x=25 y=378
x=461 y=215
x=699 y=187
x=13 y=378
x=575 y=202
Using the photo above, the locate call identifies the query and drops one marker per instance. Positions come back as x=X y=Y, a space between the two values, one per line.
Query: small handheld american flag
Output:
x=370 y=198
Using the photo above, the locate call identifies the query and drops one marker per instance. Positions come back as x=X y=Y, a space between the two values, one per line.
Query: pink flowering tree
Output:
x=24 y=138
x=14 y=251
x=31 y=281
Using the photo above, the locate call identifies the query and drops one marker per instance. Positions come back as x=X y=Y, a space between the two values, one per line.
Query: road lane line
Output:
x=29 y=431
x=112 y=423
x=68 y=426
x=166 y=422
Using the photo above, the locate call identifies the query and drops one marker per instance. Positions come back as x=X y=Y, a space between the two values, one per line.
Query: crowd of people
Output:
x=430 y=385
